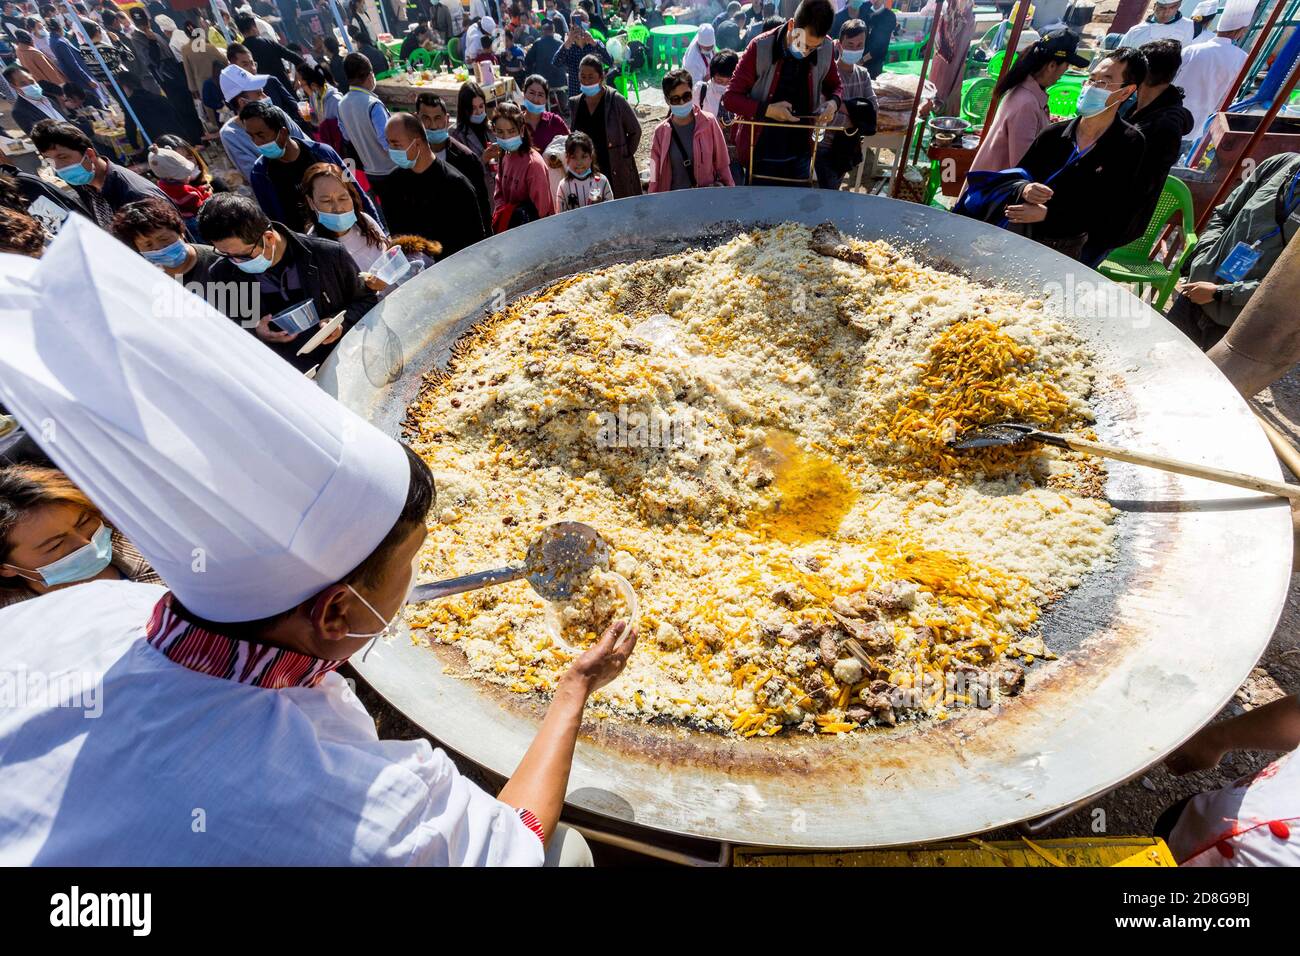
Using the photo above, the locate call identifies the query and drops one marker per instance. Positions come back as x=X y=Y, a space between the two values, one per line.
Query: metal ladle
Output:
x=554 y=565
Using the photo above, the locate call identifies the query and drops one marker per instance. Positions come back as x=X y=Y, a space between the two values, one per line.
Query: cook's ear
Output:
x=329 y=612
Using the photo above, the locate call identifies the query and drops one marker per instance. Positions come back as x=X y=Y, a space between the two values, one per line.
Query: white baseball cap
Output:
x=236 y=80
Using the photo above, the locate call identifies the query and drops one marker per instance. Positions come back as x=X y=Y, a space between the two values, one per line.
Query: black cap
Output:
x=1062 y=45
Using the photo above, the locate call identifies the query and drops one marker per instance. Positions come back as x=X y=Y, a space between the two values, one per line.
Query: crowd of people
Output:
x=331 y=181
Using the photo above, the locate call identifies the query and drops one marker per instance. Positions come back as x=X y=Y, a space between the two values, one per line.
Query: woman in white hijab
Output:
x=699 y=53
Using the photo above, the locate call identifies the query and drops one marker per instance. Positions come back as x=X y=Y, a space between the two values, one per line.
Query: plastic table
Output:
x=669 y=42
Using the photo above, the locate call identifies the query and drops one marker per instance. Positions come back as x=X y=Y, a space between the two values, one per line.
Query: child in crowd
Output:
x=583 y=184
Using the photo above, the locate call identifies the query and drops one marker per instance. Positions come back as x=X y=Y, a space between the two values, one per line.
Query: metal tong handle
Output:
x=1191 y=469
x=466 y=582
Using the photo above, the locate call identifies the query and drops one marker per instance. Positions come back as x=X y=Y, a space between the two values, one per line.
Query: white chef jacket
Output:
x=1210 y=65
x=1254 y=822
x=1181 y=30
x=182 y=768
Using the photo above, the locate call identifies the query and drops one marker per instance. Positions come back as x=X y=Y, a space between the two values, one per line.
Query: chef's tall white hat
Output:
x=1236 y=14
x=244 y=485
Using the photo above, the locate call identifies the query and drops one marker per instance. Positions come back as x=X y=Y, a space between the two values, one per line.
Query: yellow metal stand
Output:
x=1087 y=851
x=816 y=134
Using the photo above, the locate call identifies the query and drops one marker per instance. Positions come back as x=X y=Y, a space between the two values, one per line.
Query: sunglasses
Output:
x=679 y=98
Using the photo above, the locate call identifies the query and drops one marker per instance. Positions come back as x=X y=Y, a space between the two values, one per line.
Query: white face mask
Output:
x=394 y=625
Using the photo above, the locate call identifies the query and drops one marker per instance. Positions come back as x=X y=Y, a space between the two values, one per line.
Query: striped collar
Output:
x=259 y=665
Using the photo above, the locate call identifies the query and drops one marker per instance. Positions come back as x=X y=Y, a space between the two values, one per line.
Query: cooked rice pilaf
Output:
x=759 y=433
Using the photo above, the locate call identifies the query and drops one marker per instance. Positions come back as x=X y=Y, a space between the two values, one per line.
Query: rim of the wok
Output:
x=1151 y=647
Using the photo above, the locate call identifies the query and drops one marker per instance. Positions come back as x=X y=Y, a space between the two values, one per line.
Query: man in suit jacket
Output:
x=32 y=105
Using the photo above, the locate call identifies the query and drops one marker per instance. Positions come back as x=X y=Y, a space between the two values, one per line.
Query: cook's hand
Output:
x=491 y=153
x=333 y=336
x=1036 y=193
x=827 y=114
x=1199 y=293
x=781 y=112
x=604 y=660
x=269 y=333
x=1202 y=752
x=373 y=283
x=1027 y=212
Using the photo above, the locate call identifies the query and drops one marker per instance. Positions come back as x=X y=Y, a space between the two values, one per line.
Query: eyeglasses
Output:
x=677 y=99
x=244 y=257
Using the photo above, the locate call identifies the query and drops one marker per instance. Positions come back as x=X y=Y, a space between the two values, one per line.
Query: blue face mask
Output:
x=271 y=150
x=33 y=91
x=510 y=143
x=477 y=118
x=534 y=107
x=169 y=256
x=75 y=175
x=399 y=157
x=591 y=90
x=337 y=222
x=851 y=56
x=681 y=109
x=1092 y=100
x=256 y=265
x=80 y=565
x=437 y=137
x=585 y=174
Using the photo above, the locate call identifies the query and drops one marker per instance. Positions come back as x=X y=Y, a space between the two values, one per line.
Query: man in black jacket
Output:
x=1164 y=121
x=269 y=54
x=436 y=121
x=424 y=196
x=1084 y=187
x=102 y=186
x=267 y=269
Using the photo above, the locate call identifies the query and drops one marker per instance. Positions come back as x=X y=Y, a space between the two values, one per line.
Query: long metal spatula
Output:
x=554 y=565
x=1014 y=433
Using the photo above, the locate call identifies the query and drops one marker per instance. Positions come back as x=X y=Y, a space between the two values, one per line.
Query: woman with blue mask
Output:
x=52 y=536
x=523 y=188
x=472 y=127
x=689 y=148
x=602 y=113
x=335 y=205
x=544 y=124
x=155 y=229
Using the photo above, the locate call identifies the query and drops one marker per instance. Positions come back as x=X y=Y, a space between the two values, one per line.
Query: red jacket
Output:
x=738 y=98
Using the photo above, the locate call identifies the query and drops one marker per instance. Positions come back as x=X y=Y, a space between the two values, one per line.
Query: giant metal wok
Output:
x=1150 y=647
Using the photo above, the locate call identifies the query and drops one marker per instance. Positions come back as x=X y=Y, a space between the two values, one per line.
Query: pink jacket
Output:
x=710 y=165
x=1022 y=115
x=524 y=177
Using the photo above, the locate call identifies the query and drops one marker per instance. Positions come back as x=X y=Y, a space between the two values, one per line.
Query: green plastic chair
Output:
x=1133 y=264
x=995 y=63
x=639 y=31
x=597 y=35
x=453 y=51
x=975 y=99
x=1063 y=99
x=420 y=59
